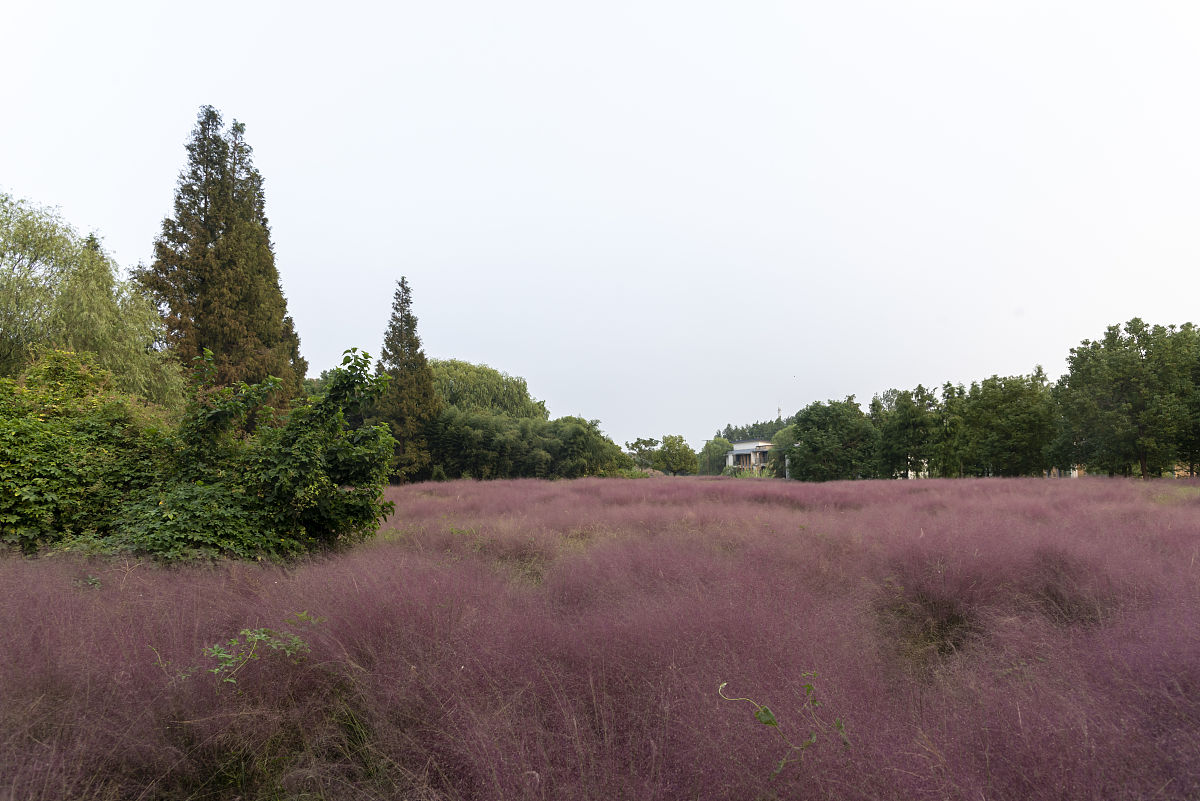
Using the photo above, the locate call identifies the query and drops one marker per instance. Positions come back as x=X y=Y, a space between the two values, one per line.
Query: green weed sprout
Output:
x=239 y=651
x=795 y=751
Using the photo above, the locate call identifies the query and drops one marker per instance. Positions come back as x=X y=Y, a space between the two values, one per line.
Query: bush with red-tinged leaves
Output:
x=990 y=639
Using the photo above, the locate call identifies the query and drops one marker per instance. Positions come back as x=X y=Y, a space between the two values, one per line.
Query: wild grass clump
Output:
x=532 y=640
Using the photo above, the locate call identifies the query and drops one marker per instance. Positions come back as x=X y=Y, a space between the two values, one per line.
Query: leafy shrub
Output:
x=190 y=519
x=246 y=483
x=315 y=478
x=232 y=478
x=742 y=472
x=623 y=472
x=233 y=655
x=70 y=451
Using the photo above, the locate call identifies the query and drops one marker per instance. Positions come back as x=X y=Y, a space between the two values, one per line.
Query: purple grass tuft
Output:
x=998 y=639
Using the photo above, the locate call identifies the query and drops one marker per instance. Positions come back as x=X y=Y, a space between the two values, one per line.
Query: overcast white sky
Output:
x=665 y=215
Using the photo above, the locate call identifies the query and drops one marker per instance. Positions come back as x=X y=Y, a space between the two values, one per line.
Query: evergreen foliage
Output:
x=214 y=276
x=410 y=404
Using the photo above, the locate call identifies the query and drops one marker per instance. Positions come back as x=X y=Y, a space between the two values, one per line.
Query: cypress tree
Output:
x=214 y=274
x=410 y=404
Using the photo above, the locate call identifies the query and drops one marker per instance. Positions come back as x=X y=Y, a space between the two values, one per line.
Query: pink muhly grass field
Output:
x=989 y=639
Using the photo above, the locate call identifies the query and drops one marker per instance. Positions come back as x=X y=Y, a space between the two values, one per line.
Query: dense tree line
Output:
x=1128 y=405
x=454 y=419
x=481 y=444
x=489 y=426
x=1130 y=400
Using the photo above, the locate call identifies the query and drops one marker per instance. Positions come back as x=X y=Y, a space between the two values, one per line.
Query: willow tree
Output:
x=479 y=388
x=214 y=274
x=59 y=289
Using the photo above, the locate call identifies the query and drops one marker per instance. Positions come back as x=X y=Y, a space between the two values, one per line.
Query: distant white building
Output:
x=749 y=454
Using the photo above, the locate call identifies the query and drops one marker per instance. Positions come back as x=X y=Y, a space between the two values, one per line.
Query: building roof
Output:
x=751 y=445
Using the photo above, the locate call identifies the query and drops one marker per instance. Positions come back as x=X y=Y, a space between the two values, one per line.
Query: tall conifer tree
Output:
x=410 y=404
x=214 y=272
